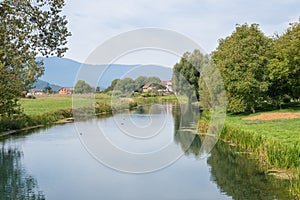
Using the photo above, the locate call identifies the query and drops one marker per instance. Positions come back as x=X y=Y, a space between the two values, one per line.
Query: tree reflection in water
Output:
x=185 y=121
x=235 y=173
x=239 y=176
x=15 y=183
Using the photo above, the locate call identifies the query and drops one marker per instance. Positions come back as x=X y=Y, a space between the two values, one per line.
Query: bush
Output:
x=30 y=96
x=286 y=99
x=132 y=105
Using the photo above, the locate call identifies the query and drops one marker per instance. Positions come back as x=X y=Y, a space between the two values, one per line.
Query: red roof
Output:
x=147 y=85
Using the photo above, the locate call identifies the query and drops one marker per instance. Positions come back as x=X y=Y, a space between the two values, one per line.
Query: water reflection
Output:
x=184 y=129
x=239 y=176
x=235 y=173
x=15 y=183
x=231 y=173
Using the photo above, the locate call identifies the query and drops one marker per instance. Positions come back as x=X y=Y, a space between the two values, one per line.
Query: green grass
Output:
x=51 y=103
x=282 y=130
x=161 y=99
x=47 y=109
x=275 y=143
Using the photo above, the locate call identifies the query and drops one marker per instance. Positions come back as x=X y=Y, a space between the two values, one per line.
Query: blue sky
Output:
x=205 y=21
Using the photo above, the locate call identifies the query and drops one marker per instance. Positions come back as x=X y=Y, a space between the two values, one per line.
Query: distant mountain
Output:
x=63 y=71
x=40 y=84
x=60 y=71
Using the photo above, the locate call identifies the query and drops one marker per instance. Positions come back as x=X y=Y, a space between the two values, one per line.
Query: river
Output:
x=57 y=163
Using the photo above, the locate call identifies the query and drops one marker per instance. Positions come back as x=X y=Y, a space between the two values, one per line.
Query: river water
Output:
x=56 y=163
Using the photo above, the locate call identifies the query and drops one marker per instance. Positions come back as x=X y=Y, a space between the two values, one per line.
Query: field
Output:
x=282 y=125
x=51 y=103
x=48 y=109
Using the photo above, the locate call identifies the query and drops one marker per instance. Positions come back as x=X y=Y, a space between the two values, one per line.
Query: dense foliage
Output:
x=26 y=29
x=129 y=86
x=257 y=70
x=284 y=65
x=242 y=60
x=81 y=87
x=186 y=74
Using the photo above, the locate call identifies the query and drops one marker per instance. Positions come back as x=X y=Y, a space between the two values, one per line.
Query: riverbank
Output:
x=51 y=109
x=272 y=138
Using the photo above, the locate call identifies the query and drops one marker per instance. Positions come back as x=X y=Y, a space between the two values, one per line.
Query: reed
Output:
x=275 y=144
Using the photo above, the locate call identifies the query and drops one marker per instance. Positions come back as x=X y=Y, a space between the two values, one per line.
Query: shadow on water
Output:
x=15 y=183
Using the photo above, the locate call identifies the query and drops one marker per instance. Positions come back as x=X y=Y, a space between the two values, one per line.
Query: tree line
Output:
x=129 y=86
x=256 y=70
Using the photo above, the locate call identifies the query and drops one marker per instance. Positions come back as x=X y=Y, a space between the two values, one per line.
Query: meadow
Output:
x=283 y=130
x=51 y=103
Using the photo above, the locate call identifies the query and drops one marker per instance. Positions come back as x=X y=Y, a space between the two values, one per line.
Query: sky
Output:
x=92 y=22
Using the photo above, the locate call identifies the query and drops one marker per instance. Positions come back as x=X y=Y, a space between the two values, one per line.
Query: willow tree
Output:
x=242 y=61
x=27 y=28
x=186 y=74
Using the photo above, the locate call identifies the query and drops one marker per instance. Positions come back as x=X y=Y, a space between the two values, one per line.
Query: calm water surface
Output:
x=53 y=164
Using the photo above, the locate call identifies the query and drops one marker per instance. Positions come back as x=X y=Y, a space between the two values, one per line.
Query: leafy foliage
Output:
x=186 y=74
x=284 y=67
x=26 y=29
x=242 y=61
x=48 y=90
x=128 y=85
x=82 y=87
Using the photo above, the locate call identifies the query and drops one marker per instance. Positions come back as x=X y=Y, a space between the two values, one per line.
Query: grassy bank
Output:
x=275 y=143
x=161 y=99
x=51 y=103
x=47 y=109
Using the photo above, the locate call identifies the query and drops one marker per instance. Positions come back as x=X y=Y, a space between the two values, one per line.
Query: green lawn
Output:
x=50 y=103
x=275 y=142
x=284 y=130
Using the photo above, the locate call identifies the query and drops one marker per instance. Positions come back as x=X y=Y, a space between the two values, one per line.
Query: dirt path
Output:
x=275 y=115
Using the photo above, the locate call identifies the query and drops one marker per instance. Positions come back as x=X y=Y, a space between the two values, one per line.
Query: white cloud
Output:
x=205 y=21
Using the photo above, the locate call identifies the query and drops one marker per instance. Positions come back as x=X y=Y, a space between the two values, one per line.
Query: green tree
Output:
x=186 y=74
x=81 y=87
x=27 y=27
x=284 y=66
x=98 y=89
x=112 y=85
x=126 y=85
x=48 y=90
x=153 y=79
x=159 y=86
x=242 y=61
x=211 y=89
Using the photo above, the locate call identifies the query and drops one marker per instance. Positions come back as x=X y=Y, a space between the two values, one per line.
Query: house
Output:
x=35 y=92
x=148 y=86
x=64 y=90
x=168 y=85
